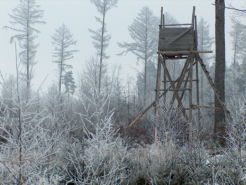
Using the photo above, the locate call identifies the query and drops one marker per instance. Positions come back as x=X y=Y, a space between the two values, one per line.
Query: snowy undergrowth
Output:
x=100 y=157
x=161 y=164
x=151 y=163
x=102 y=160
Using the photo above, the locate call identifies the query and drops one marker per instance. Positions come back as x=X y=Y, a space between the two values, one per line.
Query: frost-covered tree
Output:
x=144 y=33
x=205 y=42
x=88 y=80
x=151 y=77
x=24 y=21
x=63 y=52
x=31 y=145
x=235 y=80
x=8 y=91
x=26 y=143
x=236 y=71
x=69 y=83
x=100 y=37
x=238 y=40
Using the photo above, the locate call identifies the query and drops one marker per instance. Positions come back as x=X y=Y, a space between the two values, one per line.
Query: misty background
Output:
x=79 y=16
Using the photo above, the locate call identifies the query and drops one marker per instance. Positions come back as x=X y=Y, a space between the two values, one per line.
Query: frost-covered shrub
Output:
x=196 y=166
x=231 y=166
x=101 y=159
x=98 y=155
x=226 y=169
x=167 y=163
x=31 y=144
x=237 y=127
x=170 y=124
x=191 y=166
x=45 y=180
x=152 y=164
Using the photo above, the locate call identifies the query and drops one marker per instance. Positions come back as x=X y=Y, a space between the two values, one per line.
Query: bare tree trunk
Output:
x=61 y=73
x=60 y=79
x=102 y=49
x=61 y=66
x=20 y=177
x=219 y=124
x=128 y=102
x=234 y=64
x=202 y=79
x=235 y=49
x=202 y=90
x=146 y=61
x=28 y=85
x=145 y=81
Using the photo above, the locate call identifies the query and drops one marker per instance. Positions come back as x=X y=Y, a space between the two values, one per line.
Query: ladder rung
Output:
x=178 y=81
x=181 y=89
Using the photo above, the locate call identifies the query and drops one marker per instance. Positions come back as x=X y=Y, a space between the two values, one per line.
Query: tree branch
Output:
x=232 y=8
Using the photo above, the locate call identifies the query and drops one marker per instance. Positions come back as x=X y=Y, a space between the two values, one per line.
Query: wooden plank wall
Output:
x=168 y=40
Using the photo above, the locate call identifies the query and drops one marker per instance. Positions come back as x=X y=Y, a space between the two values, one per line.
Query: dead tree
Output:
x=219 y=118
x=100 y=37
x=23 y=21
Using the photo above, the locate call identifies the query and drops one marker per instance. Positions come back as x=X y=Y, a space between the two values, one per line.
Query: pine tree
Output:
x=144 y=33
x=238 y=40
x=100 y=37
x=24 y=19
x=63 y=52
x=69 y=83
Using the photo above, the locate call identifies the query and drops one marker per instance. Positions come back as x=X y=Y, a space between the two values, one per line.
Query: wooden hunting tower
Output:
x=178 y=43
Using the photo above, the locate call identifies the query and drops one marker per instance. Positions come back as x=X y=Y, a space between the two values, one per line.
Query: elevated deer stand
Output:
x=178 y=42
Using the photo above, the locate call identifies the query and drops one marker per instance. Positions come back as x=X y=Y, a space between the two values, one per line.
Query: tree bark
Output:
x=61 y=64
x=28 y=76
x=219 y=121
x=145 y=81
x=102 y=50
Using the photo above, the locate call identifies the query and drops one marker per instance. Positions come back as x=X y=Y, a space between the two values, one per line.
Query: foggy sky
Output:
x=79 y=15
